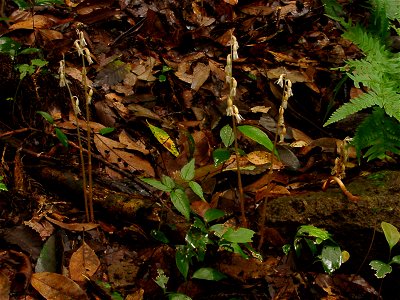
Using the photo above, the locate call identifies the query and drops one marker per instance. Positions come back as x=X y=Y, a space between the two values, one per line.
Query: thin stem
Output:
x=84 y=182
x=269 y=179
x=89 y=146
x=239 y=175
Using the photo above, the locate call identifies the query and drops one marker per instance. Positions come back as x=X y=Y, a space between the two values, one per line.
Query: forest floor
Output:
x=157 y=70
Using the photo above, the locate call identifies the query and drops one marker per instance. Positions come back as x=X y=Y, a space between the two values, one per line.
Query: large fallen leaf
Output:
x=111 y=151
x=84 y=261
x=73 y=226
x=200 y=75
x=37 y=22
x=125 y=139
x=54 y=286
x=164 y=139
x=112 y=73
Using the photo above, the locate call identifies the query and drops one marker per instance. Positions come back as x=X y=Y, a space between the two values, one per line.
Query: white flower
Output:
x=236 y=114
x=78 y=47
x=90 y=95
x=61 y=72
x=87 y=55
x=233 y=85
x=75 y=105
x=235 y=47
x=281 y=80
x=289 y=91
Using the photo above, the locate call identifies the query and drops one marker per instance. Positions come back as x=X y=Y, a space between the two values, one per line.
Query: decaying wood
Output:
x=113 y=202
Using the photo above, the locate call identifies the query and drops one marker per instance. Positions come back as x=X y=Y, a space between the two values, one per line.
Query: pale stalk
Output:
x=89 y=146
x=84 y=181
x=270 y=172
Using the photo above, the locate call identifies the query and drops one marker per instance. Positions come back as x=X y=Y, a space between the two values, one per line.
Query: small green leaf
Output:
x=381 y=268
x=9 y=46
x=30 y=51
x=218 y=229
x=208 y=274
x=165 y=69
x=197 y=189
x=286 y=248
x=241 y=235
x=395 y=260
x=178 y=296
x=61 y=137
x=331 y=257
x=220 y=156
x=257 y=135
x=161 y=279
x=157 y=184
x=187 y=171
x=106 y=130
x=46 y=116
x=3 y=187
x=181 y=202
x=183 y=257
x=168 y=181
x=227 y=135
x=159 y=236
x=309 y=230
x=199 y=225
x=24 y=70
x=162 y=78
x=39 y=62
x=213 y=214
x=392 y=234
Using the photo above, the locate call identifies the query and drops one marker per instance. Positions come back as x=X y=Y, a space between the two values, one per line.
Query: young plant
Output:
x=162 y=281
x=30 y=69
x=87 y=179
x=321 y=245
x=59 y=133
x=177 y=192
x=392 y=236
x=200 y=234
x=378 y=74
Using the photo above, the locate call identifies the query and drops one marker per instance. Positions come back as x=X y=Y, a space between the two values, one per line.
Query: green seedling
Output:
x=392 y=236
x=200 y=234
x=321 y=245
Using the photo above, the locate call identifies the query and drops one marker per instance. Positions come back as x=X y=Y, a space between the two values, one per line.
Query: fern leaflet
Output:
x=379 y=132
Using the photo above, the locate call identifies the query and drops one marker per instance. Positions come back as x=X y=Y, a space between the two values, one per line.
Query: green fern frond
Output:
x=363 y=101
x=390 y=7
x=380 y=133
x=366 y=41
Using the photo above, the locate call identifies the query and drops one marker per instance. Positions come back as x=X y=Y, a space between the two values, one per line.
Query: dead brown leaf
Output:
x=73 y=226
x=84 y=262
x=35 y=22
x=57 y=287
x=110 y=150
x=200 y=75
